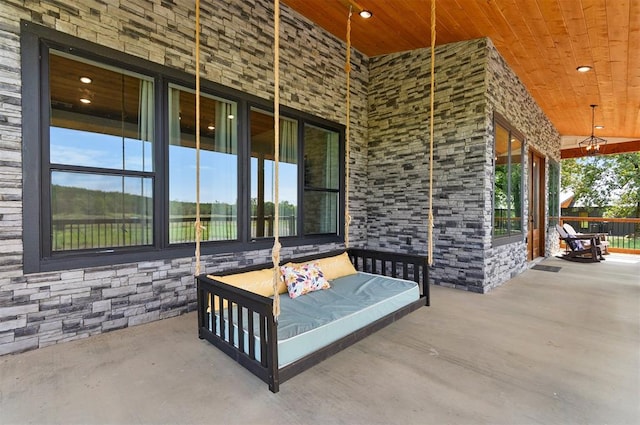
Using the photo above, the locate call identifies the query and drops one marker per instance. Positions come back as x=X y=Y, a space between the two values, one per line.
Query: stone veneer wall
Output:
x=41 y=309
x=507 y=95
x=399 y=158
x=472 y=81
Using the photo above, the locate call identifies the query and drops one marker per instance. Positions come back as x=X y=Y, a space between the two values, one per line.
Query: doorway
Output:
x=536 y=233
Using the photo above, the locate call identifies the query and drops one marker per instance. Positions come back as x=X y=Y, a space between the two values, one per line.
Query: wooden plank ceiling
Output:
x=543 y=41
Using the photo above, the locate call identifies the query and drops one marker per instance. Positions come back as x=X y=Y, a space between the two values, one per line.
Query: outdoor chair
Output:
x=582 y=248
x=601 y=238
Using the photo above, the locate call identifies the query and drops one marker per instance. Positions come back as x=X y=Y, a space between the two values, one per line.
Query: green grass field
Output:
x=70 y=235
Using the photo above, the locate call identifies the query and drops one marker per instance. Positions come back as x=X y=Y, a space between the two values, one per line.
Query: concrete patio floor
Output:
x=545 y=348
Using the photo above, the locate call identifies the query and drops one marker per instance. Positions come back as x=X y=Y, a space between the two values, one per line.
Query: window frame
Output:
x=313 y=189
x=49 y=168
x=213 y=92
x=283 y=116
x=36 y=41
x=509 y=237
x=554 y=194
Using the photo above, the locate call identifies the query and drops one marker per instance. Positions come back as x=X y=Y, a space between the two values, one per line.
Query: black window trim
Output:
x=553 y=204
x=341 y=181
x=36 y=41
x=517 y=237
x=47 y=166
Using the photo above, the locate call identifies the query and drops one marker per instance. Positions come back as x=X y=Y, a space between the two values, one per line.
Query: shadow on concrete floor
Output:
x=552 y=348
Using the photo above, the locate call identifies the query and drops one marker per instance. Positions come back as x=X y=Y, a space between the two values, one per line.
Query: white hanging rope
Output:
x=275 y=251
x=198 y=225
x=432 y=91
x=347 y=142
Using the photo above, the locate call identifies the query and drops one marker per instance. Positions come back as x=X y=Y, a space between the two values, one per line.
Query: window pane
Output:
x=90 y=211
x=321 y=163
x=534 y=198
x=262 y=175
x=100 y=117
x=218 y=167
x=516 y=187
x=554 y=193
x=501 y=185
x=320 y=212
x=321 y=180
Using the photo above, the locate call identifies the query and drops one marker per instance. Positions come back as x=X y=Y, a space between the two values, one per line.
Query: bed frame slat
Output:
x=230 y=333
x=240 y=326
x=252 y=339
x=263 y=337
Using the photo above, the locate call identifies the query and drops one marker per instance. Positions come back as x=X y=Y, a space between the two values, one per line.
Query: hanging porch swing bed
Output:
x=368 y=291
x=335 y=299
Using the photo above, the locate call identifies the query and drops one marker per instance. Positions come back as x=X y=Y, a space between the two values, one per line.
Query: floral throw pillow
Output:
x=303 y=278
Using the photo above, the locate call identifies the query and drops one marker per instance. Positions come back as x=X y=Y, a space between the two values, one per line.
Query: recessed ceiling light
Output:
x=211 y=127
x=599 y=127
x=365 y=14
x=584 y=68
x=86 y=80
x=85 y=100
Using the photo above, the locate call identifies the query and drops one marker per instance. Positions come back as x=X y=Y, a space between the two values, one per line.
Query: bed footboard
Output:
x=224 y=311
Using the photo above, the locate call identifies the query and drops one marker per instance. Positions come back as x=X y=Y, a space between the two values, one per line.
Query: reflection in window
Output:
x=515 y=185
x=262 y=175
x=114 y=164
x=92 y=211
x=105 y=122
x=101 y=118
x=218 y=167
x=501 y=191
x=554 y=193
x=321 y=180
x=507 y=216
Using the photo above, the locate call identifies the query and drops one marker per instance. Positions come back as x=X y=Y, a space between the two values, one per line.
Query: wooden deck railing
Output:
x=623 y=234
x=89 y=233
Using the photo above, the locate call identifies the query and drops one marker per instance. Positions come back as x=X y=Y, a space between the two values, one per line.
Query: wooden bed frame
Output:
x=404 y=266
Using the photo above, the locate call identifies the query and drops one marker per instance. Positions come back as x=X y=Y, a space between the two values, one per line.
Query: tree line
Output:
x=73 y=202
x=610 y=182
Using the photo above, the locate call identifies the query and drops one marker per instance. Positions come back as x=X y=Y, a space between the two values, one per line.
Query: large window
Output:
x=321 y=180
x=218 y=167
x=263 y=175
x=100 y=167
x=554 y=193
x=110 y=162
x=507 y=198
